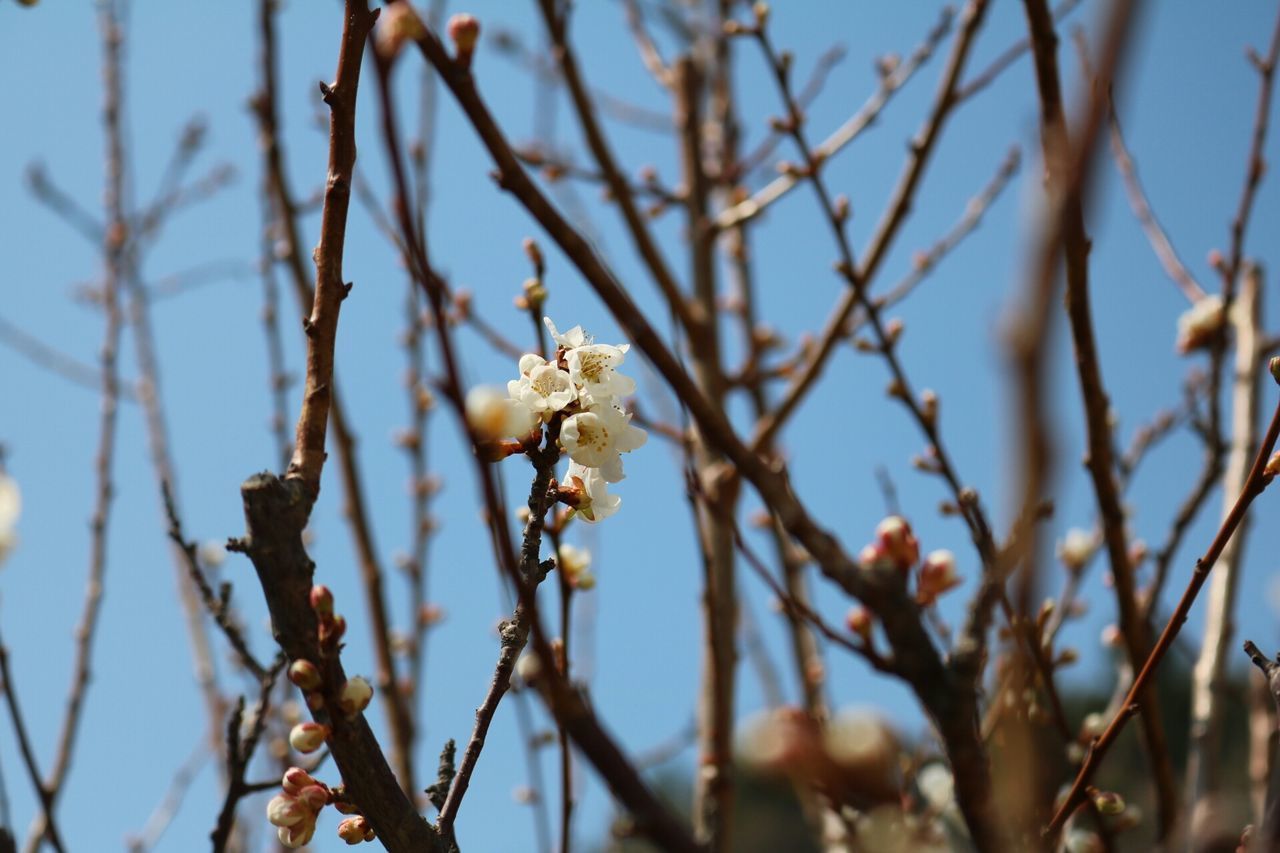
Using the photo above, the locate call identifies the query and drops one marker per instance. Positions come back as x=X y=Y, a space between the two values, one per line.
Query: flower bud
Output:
x=937 y=575
x=321 y=600
x=354 y=830
x=529 y=667
x=314 y=796
x=464 y=32
x=308 y=737
x=297 y=835
x=1200 y=323
x=1273 y=465
x=356 y=694
x=899 y=544
x=305 y=674
x=859 y=621
x=1108 y=802
x=1075 y=549
x=295 y=779
x=1274 y=367
x=284 y=810
x=332 y=629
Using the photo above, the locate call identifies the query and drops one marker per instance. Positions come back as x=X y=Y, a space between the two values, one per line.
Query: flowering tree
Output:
x=1007 y=755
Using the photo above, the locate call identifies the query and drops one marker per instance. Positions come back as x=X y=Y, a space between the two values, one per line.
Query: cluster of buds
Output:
x=578 y=391
x=896 y=549
x=294 y=810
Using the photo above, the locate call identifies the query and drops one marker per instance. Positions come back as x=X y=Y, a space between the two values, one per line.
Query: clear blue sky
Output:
x=1187 y=102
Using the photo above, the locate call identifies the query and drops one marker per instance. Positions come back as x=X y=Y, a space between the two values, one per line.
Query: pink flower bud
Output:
x=937 y=575
x=898 y=543
x=859 y=621
x=295 y=779
x=356 y=694
x=354 y=830
x=284 y=810
x=308 y=737
x=314 y=796
x=297 y=835
x=305 y=674
x=464 y=32
x=332 y=629
x=321 y=600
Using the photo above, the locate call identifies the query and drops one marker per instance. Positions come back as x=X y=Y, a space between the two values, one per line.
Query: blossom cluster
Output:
x=294 y=810
x=895 y=547
x=579 y=388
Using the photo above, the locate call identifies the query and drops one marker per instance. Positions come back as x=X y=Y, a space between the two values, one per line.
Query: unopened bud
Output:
x=308 y=737
x=295 y=779
x=859 y=622
x=1108 y=802
x=321 y=600
x=464 y=32
x=355 y=696
x=305 y=674
x=354 y=830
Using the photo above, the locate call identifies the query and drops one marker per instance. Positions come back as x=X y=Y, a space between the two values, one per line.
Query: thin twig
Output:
x=1254 y=485
x=48 y=823
x=1146 y=217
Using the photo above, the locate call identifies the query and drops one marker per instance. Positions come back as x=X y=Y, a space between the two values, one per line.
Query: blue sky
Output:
x=1187 y=103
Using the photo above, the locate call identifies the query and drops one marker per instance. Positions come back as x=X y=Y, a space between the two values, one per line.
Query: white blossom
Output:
x=596 y=438
x=595 y=502
x=593 y=368
x=543 y=388
x=575 y=337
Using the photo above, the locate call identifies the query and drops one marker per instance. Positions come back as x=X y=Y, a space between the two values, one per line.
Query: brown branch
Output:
x=166 y=810
x=953 y=712
x=1100 y=462
x=1254 y=485
x=218 y=605
x=1012 y=54
x=1208 y=678
x=1141 y=206
x=860 y=277
x=240 y=753
x=619 y=188
x=864 y=118
x=713 y=785
x=328 y=405
x=844 y=322
x=514 y=635
x=114 y=255
x=1270 y=839
x=56 y=361
x=276 y=511
x=1255 y=165
x=652 y=816
x=48 y=823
